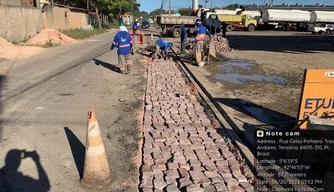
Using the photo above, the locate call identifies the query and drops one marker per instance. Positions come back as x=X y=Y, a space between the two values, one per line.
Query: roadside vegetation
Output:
x=82 y=33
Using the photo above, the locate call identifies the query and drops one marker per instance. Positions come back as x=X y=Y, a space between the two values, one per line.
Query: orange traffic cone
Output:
x=96 y=172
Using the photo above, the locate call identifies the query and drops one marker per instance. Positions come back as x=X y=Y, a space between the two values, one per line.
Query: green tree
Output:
x=115 y=7
x=232 y=6
x=185 y=11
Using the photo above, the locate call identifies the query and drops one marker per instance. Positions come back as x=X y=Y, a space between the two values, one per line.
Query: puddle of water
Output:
x=229 y=65
x=230 y=72
x=244 y=79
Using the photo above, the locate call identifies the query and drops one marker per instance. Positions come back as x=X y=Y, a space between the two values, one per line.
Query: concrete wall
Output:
x=63 y=18
x=10 y=2
x=20 y=23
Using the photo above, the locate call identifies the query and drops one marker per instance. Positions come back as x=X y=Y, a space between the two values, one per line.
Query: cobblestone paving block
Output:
x=215 y=180
x=220 y=187
x=194 y=188
x=147 y=174
x=211 y=174
x=183 y=182
x=145 y=168
x=202 y=181
x=171 y=173
x=232 y=182
x=184 y=165
x=237 y=189
x=210 y=168
x=248 y=187
x=145 y=189
x=209 y=188
x=196 y=175
x=172 y=165
x=146 y=183
x=183 y=172
x=172 y=188
x=240 y=177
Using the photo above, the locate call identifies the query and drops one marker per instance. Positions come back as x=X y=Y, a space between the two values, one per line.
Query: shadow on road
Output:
x=13 y=180
x=106 y=65
x=295 y=44
x=78 y=150
x=260 y=113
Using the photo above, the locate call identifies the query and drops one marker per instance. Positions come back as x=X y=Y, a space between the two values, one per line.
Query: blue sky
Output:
x=149 y=5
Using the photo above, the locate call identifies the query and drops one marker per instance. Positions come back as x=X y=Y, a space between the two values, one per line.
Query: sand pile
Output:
x=50 y=35
x=11 y=52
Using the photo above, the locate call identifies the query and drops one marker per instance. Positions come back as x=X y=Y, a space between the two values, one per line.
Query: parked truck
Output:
x=171 y=24
x=320 y=19
x=286 y=19
x=246 y=22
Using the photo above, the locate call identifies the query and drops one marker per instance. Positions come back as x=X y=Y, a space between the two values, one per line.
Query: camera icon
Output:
x=259 y=133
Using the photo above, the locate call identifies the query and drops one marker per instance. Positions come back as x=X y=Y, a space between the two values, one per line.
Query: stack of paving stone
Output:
x=181 y=149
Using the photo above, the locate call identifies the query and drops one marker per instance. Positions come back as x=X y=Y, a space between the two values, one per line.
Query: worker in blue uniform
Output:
x=162 y=47
x=136 y=33
x=200 y=35
x=124 y=44
x=183 y=38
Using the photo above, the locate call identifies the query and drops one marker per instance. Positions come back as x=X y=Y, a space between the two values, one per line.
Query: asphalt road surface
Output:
x=44 y=105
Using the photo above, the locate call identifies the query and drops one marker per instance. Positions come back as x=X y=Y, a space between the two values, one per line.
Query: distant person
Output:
x=136 y=33
x=162 y=47
x=124 y=43
x=183 y=38
x=224 y=28
x=200 y=35
x=13 y=180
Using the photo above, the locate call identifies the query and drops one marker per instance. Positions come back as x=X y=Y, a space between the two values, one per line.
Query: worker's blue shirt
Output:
x=163 y=44
x=135 y=27
x=124 y=43
x=183 y=34
x=201 y=32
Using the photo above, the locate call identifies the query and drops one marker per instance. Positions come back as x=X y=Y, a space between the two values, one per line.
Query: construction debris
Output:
x=221 y=44
x=50 y=36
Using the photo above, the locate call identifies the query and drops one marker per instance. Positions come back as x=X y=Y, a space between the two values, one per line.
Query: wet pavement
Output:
x=181 y=149
x=240 y=72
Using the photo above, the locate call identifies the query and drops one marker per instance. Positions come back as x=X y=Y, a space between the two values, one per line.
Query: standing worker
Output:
x=183 y=39
x=224 y=29
x=200 y=34
x=136 y=33
x=124 y=43
x=161 y=46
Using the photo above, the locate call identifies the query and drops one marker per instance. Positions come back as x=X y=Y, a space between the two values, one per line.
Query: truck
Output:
x=320 y=19
x=323 y=29
x=286 y=19
x=246 y=22
x=171 y=24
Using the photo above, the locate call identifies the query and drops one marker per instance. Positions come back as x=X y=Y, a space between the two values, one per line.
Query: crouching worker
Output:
x=124 y=44
x=162 y=47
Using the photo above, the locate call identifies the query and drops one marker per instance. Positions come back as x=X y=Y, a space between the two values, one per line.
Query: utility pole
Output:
x=87 y=4
x=170 y=6
x=211 y=5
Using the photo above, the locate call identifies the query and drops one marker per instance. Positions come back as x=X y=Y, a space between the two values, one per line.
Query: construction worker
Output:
x=124 y=44
x=200 y=34
x=183 y=39
x=162 y=47
x=224 y=26
x=136 y=33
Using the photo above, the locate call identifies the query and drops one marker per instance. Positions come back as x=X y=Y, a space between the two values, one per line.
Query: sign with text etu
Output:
x=318 y=89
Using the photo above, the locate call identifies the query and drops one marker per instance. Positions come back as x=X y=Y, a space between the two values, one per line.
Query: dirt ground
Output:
x=273 y=53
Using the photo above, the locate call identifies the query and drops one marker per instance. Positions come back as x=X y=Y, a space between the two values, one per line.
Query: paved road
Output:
x=44 y=105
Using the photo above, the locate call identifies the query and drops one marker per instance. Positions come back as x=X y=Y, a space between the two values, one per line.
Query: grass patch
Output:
x=83 y=33
x=49 y=44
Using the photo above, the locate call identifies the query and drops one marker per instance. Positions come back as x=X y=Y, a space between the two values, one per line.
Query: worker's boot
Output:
x=128 y=69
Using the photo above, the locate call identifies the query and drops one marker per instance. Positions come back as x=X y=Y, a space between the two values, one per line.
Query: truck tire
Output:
x=229 y=28
x=251 y=28
x=176 y=32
